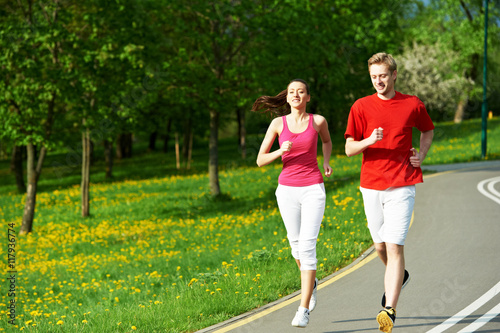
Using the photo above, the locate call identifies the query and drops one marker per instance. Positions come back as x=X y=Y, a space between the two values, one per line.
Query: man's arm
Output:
x=353 y=147
x=425 y=144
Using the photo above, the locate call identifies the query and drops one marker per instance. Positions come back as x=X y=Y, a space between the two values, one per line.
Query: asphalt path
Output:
x=452 y=253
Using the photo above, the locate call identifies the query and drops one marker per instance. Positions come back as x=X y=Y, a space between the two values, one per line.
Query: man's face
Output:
x=383 y=80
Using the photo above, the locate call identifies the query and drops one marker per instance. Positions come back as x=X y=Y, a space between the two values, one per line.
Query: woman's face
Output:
x=297 y=95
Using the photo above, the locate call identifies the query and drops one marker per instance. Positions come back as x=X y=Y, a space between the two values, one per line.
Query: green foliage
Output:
x=456 y=28
x=328 y=45
x=35 y=74
x=136 y=66
x=425 y=71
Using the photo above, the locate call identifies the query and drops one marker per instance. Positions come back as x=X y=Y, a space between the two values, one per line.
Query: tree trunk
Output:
x=152 y=141
x=33 y=174
x=16 y=166
x=190 y=151
x=108 y=157
x=185 y=141
x=124 y=146
x=86 y=151
x=129 y=141
x=177 y=152
x=470 y=75
x=167 y=136
x=460 y=111
x=91 y=154
x=187 y=137
x=119 y=150
x=213 y=160
x=242 y=133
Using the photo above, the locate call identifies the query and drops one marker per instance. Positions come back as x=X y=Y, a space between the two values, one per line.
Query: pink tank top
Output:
x=300 y=165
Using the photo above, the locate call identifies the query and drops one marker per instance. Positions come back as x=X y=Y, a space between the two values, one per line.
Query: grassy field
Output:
x=158 y=254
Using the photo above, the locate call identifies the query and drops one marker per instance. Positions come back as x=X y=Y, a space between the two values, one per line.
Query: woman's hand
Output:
x=286 y=146
x=328 y=169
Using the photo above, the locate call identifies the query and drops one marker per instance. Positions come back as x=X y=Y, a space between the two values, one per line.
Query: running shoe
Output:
x=301 y=318
x=406 y=279
x=386 y=319
x=314 y=299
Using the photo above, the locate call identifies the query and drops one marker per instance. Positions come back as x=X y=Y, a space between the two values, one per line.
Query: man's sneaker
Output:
x=301 y=318
x=314 y=299
x=406 y=279
x=386 y=319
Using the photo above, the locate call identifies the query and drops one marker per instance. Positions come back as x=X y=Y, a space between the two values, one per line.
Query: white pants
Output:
x=302 y=210
x=389 y=212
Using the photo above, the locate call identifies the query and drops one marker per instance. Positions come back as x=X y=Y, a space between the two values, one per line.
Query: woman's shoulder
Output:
x=318 y=119
x=277 y=120
x=277 y=124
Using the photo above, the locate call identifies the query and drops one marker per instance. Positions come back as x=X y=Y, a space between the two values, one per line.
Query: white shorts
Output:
x=389 y=212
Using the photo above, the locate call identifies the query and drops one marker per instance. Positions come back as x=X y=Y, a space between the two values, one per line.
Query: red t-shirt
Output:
x=387 y=162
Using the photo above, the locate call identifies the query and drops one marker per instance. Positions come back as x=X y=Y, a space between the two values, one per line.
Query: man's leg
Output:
x=382 y=252
x=394 y=273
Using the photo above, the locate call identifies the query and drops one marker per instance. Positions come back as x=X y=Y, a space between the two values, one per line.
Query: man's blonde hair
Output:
x=383 y=58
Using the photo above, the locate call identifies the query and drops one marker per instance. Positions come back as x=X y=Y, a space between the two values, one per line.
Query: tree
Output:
x=211 y=35
x=16 y=166
x=456 y=26
x=426 y=71
x=34 y=85
x=108 y=63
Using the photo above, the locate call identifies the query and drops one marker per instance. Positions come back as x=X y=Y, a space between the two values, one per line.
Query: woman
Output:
x=301 y=192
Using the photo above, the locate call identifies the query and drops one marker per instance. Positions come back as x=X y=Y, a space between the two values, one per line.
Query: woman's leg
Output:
x=302 y=210
x=312 y=211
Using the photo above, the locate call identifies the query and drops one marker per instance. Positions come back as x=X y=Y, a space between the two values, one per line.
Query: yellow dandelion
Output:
x=134 y=328
x=60 y=322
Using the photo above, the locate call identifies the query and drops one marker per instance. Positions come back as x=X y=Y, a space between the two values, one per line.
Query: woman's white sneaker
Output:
x=314 y=299
x=301 y=318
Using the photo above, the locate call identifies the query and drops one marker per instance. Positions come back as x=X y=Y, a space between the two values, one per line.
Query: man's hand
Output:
x=415 y=159
x=377 y=135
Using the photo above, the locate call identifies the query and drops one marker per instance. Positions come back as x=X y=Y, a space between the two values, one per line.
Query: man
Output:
x=380 y=127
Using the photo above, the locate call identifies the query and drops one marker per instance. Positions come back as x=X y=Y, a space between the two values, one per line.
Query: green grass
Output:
x=159 y=254
x=459 y=143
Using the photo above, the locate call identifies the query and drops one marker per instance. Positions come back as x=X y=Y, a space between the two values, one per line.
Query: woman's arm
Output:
x=265 y=157
x=324 y=133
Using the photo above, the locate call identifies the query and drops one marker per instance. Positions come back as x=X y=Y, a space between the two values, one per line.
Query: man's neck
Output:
x=387 y=96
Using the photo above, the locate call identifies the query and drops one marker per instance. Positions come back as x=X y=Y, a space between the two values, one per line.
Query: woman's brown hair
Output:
x=276 y=104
